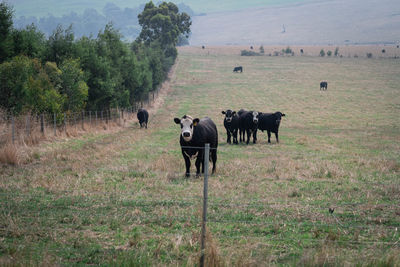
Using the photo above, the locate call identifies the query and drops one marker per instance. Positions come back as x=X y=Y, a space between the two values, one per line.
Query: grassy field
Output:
x=121 y=198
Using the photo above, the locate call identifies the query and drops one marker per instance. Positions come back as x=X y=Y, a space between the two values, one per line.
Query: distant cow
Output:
x=237 y=69
x=323 y=86
x=203 y=47
x=195 y=133
x=231 y=123
x=248 y=123
x=143 y=117
x=270 y=122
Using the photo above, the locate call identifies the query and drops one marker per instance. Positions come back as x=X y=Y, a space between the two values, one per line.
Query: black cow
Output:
x=231 y=123
x=237 y=69
x=195 y=133
x=248 y=122
x=241 y=111
x=270 y=122
x=143 y=117
x=323 y=86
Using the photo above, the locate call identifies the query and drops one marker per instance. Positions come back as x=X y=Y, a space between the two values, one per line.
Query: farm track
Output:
x=121 y=197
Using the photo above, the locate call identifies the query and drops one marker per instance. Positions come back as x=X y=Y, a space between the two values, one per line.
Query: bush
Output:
x=322 y=53
x=329 y=53
x=336 y=51
x=288 y=50
x=369 y=55
x=249 y=53
x=262 y=50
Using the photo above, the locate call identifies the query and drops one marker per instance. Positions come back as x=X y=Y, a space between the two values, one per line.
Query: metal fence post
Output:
x=95 y=122
x=55 y=124
x=28 y=127
x=12 y=129
x=83 y=120
x=205 y=199
x=42 y=123
x=65 y=123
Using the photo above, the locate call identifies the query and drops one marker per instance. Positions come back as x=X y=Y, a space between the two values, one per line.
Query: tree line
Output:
x=62 y=73
x=91 y=21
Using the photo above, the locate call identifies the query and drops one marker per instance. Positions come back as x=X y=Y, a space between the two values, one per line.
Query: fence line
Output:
x=17 y=129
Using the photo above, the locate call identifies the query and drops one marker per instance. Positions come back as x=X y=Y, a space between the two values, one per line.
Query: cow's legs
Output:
x=248 y=136
x=269 y=136
x=228 y=133
x=235 y=132
x=200 y=162
x=255 y=136
x=187 y=164
x=214 y=159
x=277 y=138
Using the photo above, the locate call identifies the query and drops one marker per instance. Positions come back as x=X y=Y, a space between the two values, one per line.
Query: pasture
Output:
x=121 y=198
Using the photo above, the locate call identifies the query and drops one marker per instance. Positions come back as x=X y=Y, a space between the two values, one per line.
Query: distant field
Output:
x=122 y=198
x=41 y=8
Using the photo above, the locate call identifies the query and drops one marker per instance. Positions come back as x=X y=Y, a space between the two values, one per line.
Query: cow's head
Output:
x=187 y=125
x=229 y=115
x=255 y=115
x=279 y=116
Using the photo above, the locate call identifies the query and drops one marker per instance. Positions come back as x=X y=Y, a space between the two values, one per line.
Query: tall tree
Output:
x=29 y=42
x=163 y=24
x=6 y=23
x=60 y=45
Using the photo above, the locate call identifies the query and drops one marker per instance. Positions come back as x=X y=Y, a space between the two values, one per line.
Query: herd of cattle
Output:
x=195 y=133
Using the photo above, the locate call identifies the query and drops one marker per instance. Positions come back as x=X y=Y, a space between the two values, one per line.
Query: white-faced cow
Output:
x=143 y=117
x=248 y=123
x=195 y=133
x=231 y=124
x=270 y=122
x=323 y=85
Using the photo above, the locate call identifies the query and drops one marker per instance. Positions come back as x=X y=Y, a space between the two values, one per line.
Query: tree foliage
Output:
x=6 y=23
x=163 y=24
x=63 y=73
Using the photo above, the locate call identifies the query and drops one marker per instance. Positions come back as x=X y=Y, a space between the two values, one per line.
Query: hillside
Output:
x=277 y=22
x=317 y=22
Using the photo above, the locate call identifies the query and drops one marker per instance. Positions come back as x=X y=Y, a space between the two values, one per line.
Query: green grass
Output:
x=121 y=198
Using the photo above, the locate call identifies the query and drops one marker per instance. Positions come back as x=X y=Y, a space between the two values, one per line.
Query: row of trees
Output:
x=62 y=73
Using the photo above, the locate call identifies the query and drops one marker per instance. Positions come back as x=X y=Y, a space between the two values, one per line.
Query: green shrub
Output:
x=249 y=53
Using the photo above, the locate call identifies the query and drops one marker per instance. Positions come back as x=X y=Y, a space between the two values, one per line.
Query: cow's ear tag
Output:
x=195 y=122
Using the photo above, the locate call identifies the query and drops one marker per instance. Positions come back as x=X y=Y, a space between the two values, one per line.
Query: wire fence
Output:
x=29 y=128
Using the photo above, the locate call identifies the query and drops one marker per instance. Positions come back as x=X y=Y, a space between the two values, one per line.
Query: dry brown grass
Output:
x=131 y=179
x=9 y=155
